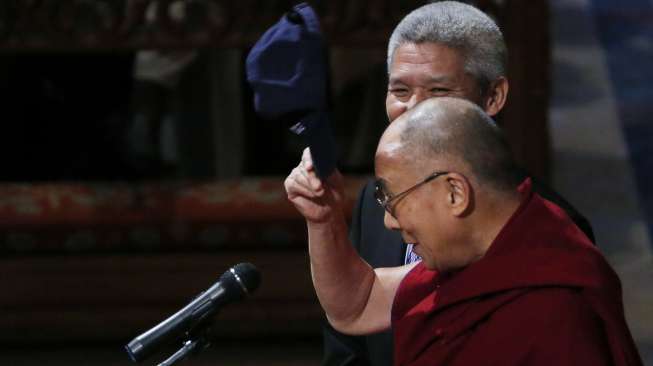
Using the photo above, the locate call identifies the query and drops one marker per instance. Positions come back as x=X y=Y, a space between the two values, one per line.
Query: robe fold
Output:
x=541 y=295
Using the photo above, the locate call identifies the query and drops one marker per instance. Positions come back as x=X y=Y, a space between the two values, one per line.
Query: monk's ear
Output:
x=496 y=96
x=459 y=194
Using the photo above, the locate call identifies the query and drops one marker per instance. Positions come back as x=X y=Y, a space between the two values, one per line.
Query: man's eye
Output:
x=439 y=91
x=399 y=92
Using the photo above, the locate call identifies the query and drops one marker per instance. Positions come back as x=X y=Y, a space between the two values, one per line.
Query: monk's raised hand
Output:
x=316 y=200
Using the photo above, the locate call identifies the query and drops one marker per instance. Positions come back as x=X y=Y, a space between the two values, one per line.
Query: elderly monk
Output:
x=506 y=277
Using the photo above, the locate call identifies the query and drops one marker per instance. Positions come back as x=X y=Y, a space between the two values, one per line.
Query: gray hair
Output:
x=459 y=129
x=461 y=27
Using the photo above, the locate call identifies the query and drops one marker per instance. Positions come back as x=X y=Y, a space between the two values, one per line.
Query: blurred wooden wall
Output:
x=95 y=295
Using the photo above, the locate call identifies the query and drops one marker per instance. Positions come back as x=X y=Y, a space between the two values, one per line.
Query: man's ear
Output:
x=459 y=194
x=496 y=96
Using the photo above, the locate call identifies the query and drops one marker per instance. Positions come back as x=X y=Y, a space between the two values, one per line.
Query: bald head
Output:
x=457 y=133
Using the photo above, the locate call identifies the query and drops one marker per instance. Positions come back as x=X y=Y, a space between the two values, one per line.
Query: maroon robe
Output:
x=541 y=295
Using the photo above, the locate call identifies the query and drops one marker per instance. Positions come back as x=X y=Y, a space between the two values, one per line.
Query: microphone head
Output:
x=243 y=278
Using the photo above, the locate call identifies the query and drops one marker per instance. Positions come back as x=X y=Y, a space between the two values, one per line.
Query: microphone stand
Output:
x=193 y=345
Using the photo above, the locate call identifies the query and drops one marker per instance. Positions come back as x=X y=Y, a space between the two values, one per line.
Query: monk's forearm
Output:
x=342 y=280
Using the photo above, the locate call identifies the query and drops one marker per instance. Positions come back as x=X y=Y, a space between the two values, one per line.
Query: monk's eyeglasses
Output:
x=385 y=198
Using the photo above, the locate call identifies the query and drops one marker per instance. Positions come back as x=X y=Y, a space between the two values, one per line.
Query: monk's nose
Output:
x=390 y=221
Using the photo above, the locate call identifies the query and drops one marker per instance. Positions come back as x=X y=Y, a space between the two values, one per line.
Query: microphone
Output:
x=237 y=282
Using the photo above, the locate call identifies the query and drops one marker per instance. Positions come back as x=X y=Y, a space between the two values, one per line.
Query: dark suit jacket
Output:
x=381 y=247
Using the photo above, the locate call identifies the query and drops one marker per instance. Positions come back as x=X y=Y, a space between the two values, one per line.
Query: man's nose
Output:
x=416 y=98
x=390 y=221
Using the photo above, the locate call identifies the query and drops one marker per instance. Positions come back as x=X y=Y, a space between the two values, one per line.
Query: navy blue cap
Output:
x=287 y=70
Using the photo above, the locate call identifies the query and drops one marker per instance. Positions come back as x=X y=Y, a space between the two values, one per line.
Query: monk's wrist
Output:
x=332 y=222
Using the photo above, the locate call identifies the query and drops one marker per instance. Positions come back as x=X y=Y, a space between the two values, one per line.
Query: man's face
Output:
x=426 y=70
x=419 y=216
